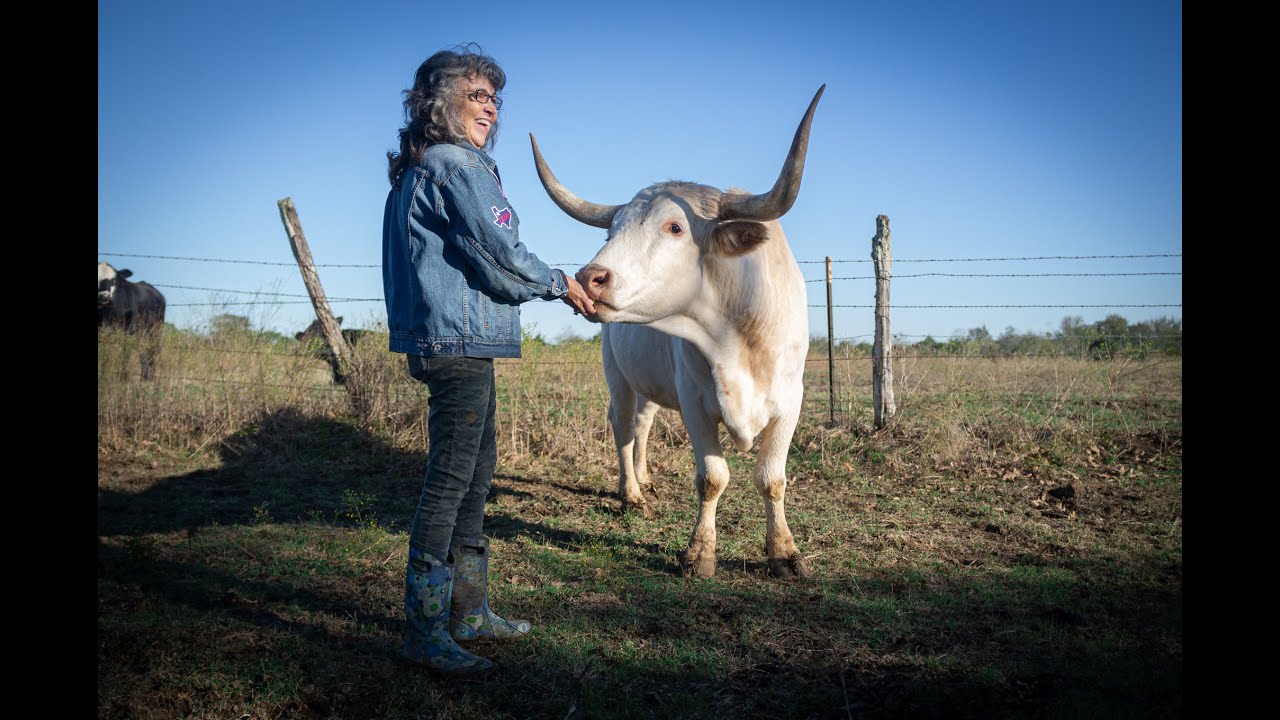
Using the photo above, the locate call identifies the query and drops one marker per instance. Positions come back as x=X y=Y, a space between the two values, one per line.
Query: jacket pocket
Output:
x=501 y=327
x=479 y=314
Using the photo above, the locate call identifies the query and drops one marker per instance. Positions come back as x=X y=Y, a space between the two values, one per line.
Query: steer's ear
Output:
x=124 y=274
x=738 y=237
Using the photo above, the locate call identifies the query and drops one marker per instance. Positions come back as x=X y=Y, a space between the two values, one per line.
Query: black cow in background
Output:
x=313 y=341
x=136 y=307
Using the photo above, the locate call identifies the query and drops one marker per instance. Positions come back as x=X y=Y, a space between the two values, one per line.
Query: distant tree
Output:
x=1014 y=343
x=930 y=344
x=275 y=339
x=1011 y=343
x=1073 y=326
x=976 y=341
x=1161 y=335
x=227 y=324
x=1074 y=335
x=1112 y=326
x=1109 y=337
x=978 y=335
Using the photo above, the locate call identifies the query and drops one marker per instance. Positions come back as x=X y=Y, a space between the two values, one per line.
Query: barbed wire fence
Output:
x=851 y=358
x=886 y=352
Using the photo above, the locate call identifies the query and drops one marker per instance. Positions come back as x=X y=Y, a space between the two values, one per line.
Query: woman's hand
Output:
x=577 y=299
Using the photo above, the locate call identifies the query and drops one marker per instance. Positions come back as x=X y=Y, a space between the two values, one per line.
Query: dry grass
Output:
x=252 y=520
x=551 y=403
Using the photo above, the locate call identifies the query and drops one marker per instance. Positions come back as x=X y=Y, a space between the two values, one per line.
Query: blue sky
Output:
x=982 y=129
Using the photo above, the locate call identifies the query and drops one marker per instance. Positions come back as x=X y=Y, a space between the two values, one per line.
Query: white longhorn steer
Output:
x=715 y=327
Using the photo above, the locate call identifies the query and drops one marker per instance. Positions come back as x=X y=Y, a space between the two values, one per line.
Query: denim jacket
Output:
x=454 y=271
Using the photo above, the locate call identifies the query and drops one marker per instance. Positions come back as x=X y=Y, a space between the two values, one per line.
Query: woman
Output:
x=455 y=274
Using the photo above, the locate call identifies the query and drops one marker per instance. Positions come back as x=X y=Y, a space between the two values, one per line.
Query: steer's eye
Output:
x=674 y=228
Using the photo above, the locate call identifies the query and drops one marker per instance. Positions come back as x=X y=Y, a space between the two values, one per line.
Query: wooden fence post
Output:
x=831 y=361
x=882 y=352
x=310 y=278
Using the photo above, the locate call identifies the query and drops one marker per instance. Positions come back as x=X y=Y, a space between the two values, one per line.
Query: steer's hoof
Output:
x=703 y=566
x=789 y=568
x=650 y=491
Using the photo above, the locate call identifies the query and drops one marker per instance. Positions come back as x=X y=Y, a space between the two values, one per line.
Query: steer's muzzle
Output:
x=595 y=280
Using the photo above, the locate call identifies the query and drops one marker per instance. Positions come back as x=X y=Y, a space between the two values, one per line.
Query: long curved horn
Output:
x=779 y=200
x=600 y=216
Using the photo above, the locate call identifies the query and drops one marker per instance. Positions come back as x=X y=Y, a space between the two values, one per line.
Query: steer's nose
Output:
x=594 y=279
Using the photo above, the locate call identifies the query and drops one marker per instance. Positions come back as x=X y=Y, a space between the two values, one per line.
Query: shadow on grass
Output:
x=290 y=468
x=267 y=587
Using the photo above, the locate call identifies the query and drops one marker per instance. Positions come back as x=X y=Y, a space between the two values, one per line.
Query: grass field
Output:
x=1010 y=547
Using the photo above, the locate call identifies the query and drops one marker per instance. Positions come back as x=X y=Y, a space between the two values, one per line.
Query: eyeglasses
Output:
x=483 y=96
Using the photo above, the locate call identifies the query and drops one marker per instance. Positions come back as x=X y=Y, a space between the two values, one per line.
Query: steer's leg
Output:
x=622 y=416
x=770 y=477
x=645 y=413
x=712 y=478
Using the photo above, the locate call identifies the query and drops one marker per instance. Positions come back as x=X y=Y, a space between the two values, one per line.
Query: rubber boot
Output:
x=470 y=617
x=428 y=588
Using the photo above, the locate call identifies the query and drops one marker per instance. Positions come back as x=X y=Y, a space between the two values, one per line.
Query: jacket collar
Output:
x=484 y=156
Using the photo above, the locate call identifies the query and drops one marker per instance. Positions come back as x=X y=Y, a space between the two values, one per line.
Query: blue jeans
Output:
x=462 y=452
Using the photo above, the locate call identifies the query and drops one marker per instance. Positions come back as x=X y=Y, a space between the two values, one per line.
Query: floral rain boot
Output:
x=428 y=586
x=470 y=617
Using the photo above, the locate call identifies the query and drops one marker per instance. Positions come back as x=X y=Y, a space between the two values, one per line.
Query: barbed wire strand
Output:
x=241 y=262
x=811 y=305
x=410 y=390
x=1082 y=355
x=263 y=292
x=190 y=350
x=1036 y=338
x=270 y=302
x=503 y=362
x=579 y=264
x=1002 y=259
x=997 y=275
x=942 y=336
x=899 y=307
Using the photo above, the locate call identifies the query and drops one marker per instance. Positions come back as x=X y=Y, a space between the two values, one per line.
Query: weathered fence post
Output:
x=882 y=352
x=302 y=253
x=831 y=361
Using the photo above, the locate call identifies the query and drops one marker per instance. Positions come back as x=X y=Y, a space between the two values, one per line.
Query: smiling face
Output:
x=477 y=117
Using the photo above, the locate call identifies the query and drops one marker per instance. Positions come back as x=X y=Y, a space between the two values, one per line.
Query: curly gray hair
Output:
x=431 y=105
